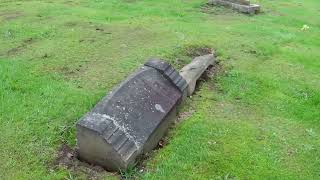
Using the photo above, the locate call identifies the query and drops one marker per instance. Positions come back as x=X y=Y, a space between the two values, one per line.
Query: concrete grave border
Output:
x=241 y=7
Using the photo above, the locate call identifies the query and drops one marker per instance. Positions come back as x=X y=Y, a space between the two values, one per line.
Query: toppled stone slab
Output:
x=132 y=118
x=192 y=72
x=243 y=6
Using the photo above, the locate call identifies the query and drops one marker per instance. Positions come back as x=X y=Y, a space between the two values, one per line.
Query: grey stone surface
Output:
x=192 y=72
x=132 y=118
x=243 y=2
x=239 y=5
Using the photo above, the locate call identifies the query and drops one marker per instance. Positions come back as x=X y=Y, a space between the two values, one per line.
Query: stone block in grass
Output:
x=243 y=6
x=132 y=119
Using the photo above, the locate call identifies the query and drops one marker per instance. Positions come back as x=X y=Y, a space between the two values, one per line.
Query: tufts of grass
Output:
x=257 y=120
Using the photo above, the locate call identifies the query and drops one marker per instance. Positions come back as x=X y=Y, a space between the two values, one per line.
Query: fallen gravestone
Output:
x=133 y=118
x=243 y=6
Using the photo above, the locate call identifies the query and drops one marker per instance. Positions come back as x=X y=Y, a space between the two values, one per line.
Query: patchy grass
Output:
x=258 y=119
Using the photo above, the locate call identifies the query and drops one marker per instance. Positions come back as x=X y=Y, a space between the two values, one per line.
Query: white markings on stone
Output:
x=159 y=108
x=122 y=128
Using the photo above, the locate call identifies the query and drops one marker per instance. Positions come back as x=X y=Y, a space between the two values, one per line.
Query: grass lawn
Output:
x=258 y=119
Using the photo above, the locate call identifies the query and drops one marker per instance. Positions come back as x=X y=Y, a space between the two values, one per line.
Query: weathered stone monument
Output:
x=243 y=6
x=133 y=118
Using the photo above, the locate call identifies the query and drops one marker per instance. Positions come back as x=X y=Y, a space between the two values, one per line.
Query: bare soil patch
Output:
x=25 y=43
x=183 y=55
x=69 y=72
x=67 y=158
x=211 y=72
x=8 y=16
x=184 y=115
x=194 y=51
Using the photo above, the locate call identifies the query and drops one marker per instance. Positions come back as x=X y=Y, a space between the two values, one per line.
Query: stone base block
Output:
x=192 y=72
x=243 y=8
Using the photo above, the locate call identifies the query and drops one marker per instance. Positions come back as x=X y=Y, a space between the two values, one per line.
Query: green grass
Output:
x=259 y=119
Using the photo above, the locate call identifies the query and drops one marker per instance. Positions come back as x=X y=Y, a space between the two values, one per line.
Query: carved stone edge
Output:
x=169 y=72
x=113 y=134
